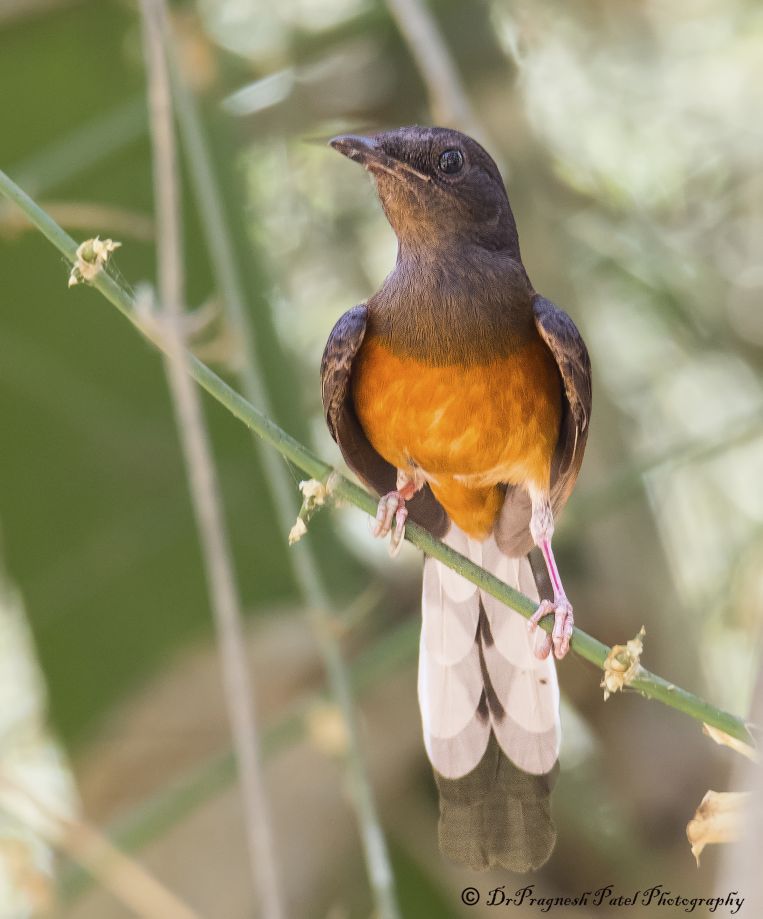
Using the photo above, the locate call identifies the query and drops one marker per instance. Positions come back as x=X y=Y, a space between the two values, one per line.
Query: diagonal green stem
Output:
x=305 y=568
x=202 y=476
x=587 y=647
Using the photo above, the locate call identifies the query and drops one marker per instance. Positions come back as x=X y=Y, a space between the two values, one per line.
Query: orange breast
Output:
x=468 y=428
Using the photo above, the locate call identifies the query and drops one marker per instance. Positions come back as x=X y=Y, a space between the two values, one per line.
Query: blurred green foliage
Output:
x=92 y=494
x=632 y=142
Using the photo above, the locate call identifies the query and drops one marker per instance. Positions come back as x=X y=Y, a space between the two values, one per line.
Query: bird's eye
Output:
x=451 y=161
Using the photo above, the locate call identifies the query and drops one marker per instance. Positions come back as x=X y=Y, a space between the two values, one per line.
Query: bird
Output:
x=462 y=397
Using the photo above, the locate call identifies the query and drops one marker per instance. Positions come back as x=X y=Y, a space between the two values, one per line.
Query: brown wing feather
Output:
x=564 y=341
x=566 y=344
x=342 y=346
x=336 y=365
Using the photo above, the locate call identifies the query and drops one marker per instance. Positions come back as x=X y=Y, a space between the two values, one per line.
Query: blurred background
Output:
x=630 y=137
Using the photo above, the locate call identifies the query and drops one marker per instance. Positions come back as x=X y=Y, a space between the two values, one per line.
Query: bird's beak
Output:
x=360 y=149
x=369 y=152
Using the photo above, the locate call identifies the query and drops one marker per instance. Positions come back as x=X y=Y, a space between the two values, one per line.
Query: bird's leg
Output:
x=392 y=507
x=542 y=529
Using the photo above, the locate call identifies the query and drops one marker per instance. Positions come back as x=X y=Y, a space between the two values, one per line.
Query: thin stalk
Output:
x=587 y=647
x=307 y=575
x=447 y=98
x=202 y=477
x=84 y=148
x=630 y=480
x=167 y=807
x=122 y=876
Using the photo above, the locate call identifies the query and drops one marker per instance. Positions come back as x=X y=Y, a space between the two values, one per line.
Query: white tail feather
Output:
x=454 y=757
x=447 y=638
x=472 y=679
x=457 y=688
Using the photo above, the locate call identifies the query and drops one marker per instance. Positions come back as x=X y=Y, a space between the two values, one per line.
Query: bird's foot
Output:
x=392 y=509
x=560 y=636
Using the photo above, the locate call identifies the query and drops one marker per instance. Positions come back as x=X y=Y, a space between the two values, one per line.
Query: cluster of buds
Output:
x=314 y=495
x=622 y=664
x=92 y=255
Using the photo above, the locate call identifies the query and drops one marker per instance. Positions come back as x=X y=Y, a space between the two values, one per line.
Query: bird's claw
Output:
x=560 y=636
x=391 y=508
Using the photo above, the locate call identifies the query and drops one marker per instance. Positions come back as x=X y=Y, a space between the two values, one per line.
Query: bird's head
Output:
x=438 y=187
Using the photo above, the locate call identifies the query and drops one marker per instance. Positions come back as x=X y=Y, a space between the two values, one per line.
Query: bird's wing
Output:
x=566 y=344
x=336 y=372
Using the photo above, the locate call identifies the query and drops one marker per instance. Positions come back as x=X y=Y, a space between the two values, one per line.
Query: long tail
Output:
x=490 y=714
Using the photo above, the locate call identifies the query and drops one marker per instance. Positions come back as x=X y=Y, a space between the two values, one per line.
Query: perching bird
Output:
x=463 y=397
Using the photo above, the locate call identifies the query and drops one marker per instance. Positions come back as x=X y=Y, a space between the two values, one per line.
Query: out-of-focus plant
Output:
x=633 y=141
x=650 y=119
x=30 y=758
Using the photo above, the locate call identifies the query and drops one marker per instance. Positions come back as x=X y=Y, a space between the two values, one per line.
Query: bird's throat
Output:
x=453 y=307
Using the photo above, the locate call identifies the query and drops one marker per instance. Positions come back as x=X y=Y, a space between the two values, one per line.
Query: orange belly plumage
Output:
x=467 y=428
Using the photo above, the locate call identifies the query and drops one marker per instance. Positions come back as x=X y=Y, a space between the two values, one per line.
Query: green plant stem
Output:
x=648 y=684
x=202 y=477
x=305 y=568
x=448 y=100
x=83 y=148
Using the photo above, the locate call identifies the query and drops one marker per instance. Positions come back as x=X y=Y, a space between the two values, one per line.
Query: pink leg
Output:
x=392 y=507
x=542 y=529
